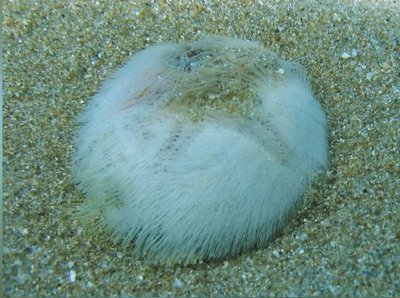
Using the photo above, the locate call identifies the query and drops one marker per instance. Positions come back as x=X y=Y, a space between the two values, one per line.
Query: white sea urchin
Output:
x=200 y=150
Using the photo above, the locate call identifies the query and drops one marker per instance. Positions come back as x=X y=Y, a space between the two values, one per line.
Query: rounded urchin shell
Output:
x=199 y=150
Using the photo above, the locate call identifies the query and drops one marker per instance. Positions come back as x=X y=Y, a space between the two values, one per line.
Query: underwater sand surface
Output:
x=344 y=240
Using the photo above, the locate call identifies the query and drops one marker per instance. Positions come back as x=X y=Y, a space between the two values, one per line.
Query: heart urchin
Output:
x=200 y=150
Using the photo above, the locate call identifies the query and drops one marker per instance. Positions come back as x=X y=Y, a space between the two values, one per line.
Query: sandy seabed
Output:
x=344 y=240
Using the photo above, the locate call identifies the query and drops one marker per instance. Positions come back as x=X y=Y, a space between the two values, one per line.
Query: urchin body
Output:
x=200 y=150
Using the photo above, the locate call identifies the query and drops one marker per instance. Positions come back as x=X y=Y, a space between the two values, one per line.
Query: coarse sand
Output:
x=344 y=240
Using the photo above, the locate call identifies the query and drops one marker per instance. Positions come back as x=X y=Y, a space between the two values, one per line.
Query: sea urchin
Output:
x=199 y=150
